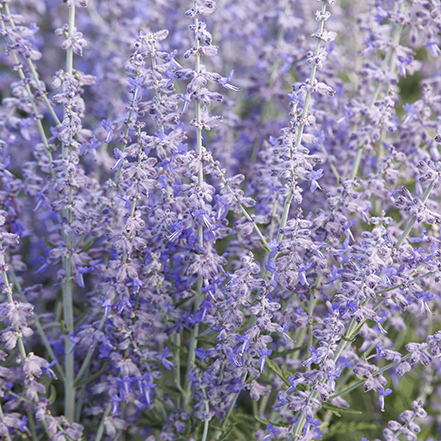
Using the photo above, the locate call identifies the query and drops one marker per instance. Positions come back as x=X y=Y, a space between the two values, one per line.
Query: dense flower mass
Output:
x=220 y=221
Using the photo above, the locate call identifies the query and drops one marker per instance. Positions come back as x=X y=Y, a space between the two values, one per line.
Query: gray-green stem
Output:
x=206 y=422
x=243 y=209
x=272 y=79
x=388 y=61
x=38 y=325
x=198 y=300
x=301 y=127
x=31 y=98
x=380 y=371
x=7 y=437
x=21 y=347
x=100 y=431
x=218 y=433
x=69 y=370
x=34 y=72
x=8 y=289
x=413 y=219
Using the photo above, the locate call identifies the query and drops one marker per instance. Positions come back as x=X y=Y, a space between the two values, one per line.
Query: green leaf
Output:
x=333 y=407
x=278 y=371
x=87 y=245
x=267 y=249
x=350 y=340
x=208 y=331
x=154 y=419
x=63 y=329
x=182 y=301
x=168 y=387
x=280 y=423
x=181 y=348
x=49 y=244
x=242 y=417
x=81 y=318
x=53 y=395
x=284 y=353
x=261 y=420
x=228 y=432
x=92 y=377
x=345 y=427
x=205 y=340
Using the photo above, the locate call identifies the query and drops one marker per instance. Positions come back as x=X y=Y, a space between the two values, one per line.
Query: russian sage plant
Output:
x=220 y=221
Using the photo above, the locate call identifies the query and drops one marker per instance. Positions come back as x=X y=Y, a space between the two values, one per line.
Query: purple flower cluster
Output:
x=220 y=220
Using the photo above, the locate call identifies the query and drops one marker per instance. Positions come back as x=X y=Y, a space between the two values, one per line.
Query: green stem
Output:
x=263 y=403
x=38 y=325
x=332 y=166
x=242 y=208
x=21 y=347
x=301 y=421
x=206 y=422
x=229 y=412
x=413 y=219
x=7 y=437
x=89 y=354
x=177 y=371
x=272 y=79
x=20 y=340
x=80 y=401
x=128 y=124
x=380 y=371
x=100 y=431
x=313 y=394
x=30 y=96
x=34 y=72
x=392 y=288
x=387 y=62
x=301 y=127
x=192 y=353
x=310 y=314
x=198 y=300
x=32 y=427
x=264 y=271
x=68 y=315
x=8 y=289
x=158 y=93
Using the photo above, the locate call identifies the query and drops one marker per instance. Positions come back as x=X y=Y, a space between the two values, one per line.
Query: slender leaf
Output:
x=333 y=407
x=273 y=366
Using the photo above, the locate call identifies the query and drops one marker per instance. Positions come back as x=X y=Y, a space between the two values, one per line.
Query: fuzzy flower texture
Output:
x=220 y=220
